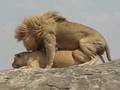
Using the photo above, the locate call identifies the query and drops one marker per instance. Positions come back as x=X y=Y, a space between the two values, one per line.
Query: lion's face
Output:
x=19 y=60
x=30 y=43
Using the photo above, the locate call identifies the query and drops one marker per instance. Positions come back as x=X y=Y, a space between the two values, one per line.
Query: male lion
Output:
x=49 y=31
x=38 y=59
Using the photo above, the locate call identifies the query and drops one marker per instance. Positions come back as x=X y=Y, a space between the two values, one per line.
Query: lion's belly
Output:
x=67 y=45
x=67 y=41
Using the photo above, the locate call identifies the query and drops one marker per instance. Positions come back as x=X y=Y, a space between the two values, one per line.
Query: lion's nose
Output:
x=14 y=65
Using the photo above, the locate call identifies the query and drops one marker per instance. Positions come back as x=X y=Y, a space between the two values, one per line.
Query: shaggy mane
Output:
x=36 y=25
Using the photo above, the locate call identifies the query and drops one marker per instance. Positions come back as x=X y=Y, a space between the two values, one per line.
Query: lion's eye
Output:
x=18 y=55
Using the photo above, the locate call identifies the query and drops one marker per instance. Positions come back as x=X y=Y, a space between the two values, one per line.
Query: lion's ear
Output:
x=17 y=55
x=54 y=16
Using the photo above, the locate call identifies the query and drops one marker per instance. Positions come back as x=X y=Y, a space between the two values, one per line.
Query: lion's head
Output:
x=33 y=28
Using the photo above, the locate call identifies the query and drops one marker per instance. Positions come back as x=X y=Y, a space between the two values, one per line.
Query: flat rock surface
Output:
x=97 y=77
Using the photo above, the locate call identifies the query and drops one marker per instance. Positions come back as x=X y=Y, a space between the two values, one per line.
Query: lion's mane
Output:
x=36 y=25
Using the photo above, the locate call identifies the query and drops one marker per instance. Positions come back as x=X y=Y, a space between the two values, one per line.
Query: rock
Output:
x=97 y=77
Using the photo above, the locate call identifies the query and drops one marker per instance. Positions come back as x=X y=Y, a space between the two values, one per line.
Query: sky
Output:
x=103 y=15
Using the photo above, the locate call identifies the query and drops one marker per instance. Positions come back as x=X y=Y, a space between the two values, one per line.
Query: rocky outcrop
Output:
x=97 y=77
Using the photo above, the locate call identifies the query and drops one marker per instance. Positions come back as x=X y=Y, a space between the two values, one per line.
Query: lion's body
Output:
x=38 y=59
x=69 y=35
x=51 y=31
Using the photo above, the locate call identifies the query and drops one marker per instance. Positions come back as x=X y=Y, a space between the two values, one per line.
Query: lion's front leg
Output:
x=50 y=47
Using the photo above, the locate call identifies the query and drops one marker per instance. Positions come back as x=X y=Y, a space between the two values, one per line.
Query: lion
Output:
x=49 y=32
x=38 y=59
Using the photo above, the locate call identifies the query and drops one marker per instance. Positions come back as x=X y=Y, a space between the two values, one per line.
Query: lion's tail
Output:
x=108 y=53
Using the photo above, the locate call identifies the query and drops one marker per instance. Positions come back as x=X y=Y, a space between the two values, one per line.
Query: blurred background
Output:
x=103 y=15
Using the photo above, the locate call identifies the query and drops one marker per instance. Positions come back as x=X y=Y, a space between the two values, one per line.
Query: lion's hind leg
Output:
x=80 y=57
x=92 y=47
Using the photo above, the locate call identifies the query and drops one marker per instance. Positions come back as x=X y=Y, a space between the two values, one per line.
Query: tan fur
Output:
x=49 y=31
x=62 y=59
